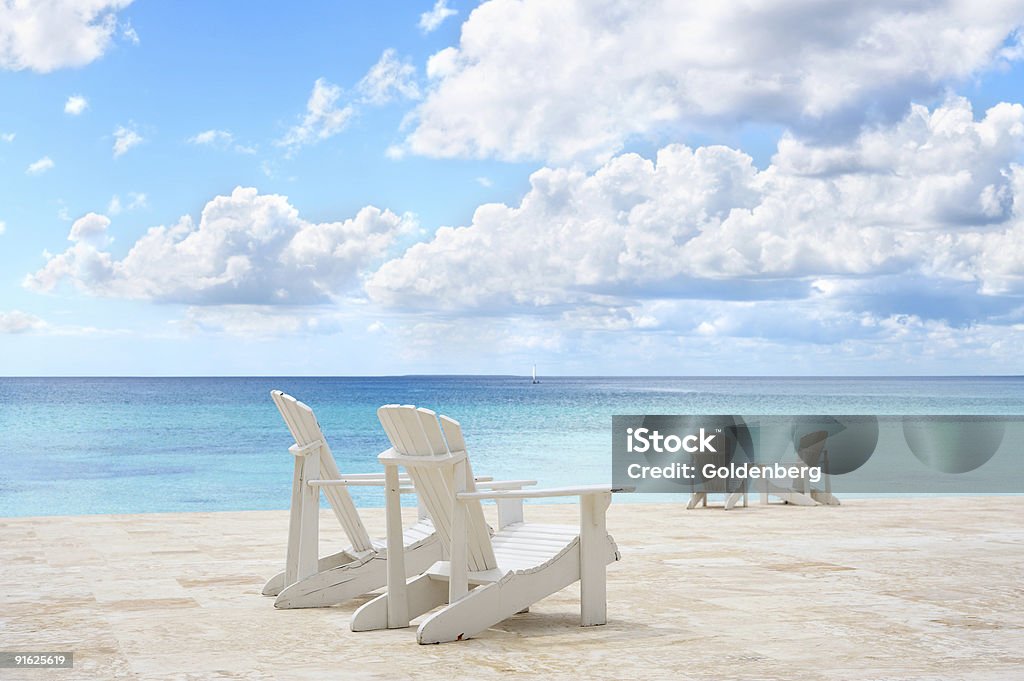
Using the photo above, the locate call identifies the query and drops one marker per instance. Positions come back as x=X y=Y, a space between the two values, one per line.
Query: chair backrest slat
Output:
x=428 y=424
x=386 y=416
x=480 y=536
x=417 y=432
x=453 y=434
x=430 y=485
x=305 y=430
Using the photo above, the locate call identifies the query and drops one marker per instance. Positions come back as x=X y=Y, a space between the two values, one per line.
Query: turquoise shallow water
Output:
x=126 y=445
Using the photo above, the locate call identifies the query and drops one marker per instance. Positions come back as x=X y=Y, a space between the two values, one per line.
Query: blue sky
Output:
x=349 y=188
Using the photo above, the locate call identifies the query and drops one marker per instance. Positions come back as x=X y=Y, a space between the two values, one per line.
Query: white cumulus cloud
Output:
x=7 y=136
x=43 y=36
x=323 y=118
x=125 y=139
x=75 y=105
x=91 y=229
x=936 y=197
x=133 y=201
x=41 y=166
x=16 y=321
x=220 y=139
x=573 y=80
x=257 y=321
x=129 y=33
x=430 y=21
x=212 y=138
x=388 y=79
x=246 y=249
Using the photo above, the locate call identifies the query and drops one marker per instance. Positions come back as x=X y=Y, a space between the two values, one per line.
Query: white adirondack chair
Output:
x=307 y=580
x=732 y=499
x=732 y=492
x=811 y=452
x=487 y=579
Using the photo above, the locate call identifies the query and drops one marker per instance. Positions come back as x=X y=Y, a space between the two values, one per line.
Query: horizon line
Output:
x=549 y=376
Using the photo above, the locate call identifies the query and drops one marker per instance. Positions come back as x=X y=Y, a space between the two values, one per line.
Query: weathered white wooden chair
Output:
x=307 y=580
x=486 y=579
x=733 y=492
x=811 y=451
x=732 y=499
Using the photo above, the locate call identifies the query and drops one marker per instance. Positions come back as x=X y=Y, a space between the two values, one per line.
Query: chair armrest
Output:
x=504 y=484
x=354 y=481
x=298 y=450
x=347 y=481
x=367 y=476
x=510 y=511
x=581 y=491
x=378 y=479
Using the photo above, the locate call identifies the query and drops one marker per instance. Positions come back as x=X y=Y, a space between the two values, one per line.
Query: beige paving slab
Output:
x=874 y=589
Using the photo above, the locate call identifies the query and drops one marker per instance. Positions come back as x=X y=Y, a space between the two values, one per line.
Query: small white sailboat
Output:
x=534 y=381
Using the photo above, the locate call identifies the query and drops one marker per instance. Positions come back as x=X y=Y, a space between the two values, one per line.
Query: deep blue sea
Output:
x=127 y=445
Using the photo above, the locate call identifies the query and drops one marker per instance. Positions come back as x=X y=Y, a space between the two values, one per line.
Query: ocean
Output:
x=72 y=446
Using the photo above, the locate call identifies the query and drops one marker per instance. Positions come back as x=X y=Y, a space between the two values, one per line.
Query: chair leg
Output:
x=309 y=540
x=481 y=608
x=487 y=605
x=396 y=596
x=372 y=615
x=276 y=583
x=336 y=585
x=423 y=594
x=593 y=548
x=339 y=581
x=291 y=565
